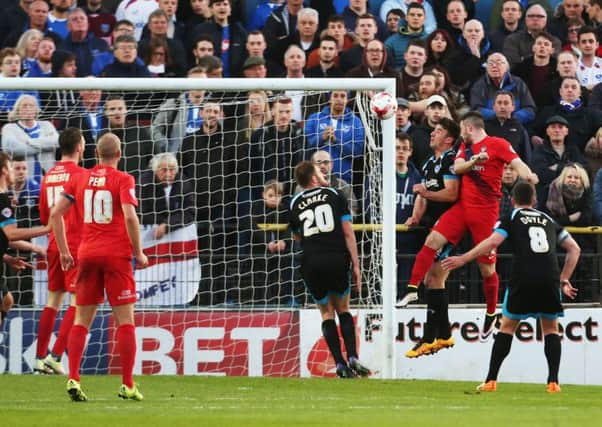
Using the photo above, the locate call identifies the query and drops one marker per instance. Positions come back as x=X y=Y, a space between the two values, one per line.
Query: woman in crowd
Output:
x=34 y=139
x=439 y=45
x=158 y=60
x=27 y=47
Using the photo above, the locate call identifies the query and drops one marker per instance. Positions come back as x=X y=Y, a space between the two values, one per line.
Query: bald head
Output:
x=108 y=147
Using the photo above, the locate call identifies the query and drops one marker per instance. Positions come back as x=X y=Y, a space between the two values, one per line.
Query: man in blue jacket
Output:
x=83 y=44
x=338 y=131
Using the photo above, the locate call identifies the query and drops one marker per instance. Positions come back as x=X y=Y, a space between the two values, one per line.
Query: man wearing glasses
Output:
x=519 y=45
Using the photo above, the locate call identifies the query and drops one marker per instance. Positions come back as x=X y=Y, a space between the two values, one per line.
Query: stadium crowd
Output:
x=532 y=68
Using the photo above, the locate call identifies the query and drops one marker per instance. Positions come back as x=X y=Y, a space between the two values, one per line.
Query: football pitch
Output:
x=29 y=400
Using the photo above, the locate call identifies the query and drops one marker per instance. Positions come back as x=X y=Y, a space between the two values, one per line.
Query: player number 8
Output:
x=98 y=206
x=538 y=240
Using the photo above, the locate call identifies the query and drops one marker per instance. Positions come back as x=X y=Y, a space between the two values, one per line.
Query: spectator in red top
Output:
x=328 y=55
x=101 y=20
x=335 y=27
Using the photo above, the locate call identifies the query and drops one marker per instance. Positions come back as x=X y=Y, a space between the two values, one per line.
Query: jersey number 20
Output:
x=98 y=206
x=538 y=240
x=318 y=220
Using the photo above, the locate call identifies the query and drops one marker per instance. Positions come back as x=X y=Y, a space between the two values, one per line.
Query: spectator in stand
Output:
x=125 y=50
x=199 y=13
x=208 y=161
x=58 y=16
x=262 y=13
x=465 y=63
x=307 y=37
x=83 y=44
x=27 y=48
x=550 y=157
x=101 y=21
x=456 y=17
x=280 y=28
x=497 y=78
x=335 y=27
x=256 y=46
x=397 y=44
x=228 y=37
x=42 y=67
x=593 y=152
x=157 y=29
x=569 y=9
x=341 y=133
x=598 y=198
x=60 y=103
x=328 y=55
x=572 y=41
x=294 y=62
x=539 y=69
x=419 y=135
x=519 y=44
x=427 y=86
x=38 y=20
x=357 y=8
x=436 y=109
x=495 y=18
x=203 y=46
x=28 y=137
x=212 y=66
x=137 y=148
x=415 y=58
x=449 y=91
x=583 y=121
x=430 y=23
x=589 y=69
x=178 y=117
x=276 y=148
x=137 y=12
x=166 y=200
x=509 y=180
x=254 y=68
x=394 y=17
x=439 y=46
x=158 y=60
x=511 y=14
x=505 y=126
x=593 y=8
x=10 y=67
x=102 y=59
x=365 y=30
x=566 y=66
x=255 y=116
x=14 y=19
x=175 y=30
x=88 y=119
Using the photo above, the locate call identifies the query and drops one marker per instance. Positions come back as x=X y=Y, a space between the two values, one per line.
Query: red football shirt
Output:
x=98 y=195
x=481 y=187
x=50 y=190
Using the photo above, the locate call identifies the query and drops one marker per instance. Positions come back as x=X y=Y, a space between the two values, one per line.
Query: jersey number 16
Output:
x=98 y=206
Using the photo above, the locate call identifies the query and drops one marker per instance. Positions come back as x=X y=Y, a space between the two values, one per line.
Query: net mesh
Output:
x=221 y=296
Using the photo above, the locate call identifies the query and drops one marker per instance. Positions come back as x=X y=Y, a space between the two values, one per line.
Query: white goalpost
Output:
x=216 y=300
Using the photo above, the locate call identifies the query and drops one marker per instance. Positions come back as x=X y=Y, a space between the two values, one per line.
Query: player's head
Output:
x=472 y=123
x=308 y=175
x=272 y=193
x=6 y=169
x=523 y=194
x=72 y=142
x=20 y=170
x=108 y=148
x=445 y=134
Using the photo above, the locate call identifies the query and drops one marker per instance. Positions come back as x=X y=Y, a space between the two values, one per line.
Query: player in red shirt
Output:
x=72 y=143
x=106 y=200
x=480 y=160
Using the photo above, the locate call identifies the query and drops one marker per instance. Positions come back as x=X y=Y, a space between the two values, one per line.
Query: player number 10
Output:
x=98 y=206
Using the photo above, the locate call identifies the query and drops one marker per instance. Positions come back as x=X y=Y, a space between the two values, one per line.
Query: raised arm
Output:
x=524 y=171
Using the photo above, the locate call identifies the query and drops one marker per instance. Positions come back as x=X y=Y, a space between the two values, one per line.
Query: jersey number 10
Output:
x=98 y=206
x=318 y=220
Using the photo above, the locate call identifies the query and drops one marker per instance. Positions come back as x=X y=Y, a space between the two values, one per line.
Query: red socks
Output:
x=61 y=340
x=424 y=260
x=75 y=348
x=490 y=289
x=126 y=342
x=45 y=327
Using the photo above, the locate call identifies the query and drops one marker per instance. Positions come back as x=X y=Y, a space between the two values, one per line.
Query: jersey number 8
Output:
x=538 y=240
x=318 y=220
x=98 y=206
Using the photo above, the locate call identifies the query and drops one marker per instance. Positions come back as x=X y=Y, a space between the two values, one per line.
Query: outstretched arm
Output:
x=483 y=248
x=524 y=171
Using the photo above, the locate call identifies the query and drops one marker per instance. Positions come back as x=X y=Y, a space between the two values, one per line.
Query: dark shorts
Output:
x=534 y=300
x=326 y=274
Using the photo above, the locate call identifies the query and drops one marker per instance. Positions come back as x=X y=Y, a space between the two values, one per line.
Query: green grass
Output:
x=28 y=400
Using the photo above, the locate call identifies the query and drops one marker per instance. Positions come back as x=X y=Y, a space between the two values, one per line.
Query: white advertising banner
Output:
x=469 y=359
x=172 y=277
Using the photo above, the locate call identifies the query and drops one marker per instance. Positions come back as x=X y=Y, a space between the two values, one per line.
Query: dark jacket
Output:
x=524 y=70
x=82 y=122
x=176 y=52
x=513 y=132
x=278 y=31
x=137 y=148
x=85 y=52
x=238 y=39
x=120 y=69
x=208 y=163
x=465 y=68
x=176 y=211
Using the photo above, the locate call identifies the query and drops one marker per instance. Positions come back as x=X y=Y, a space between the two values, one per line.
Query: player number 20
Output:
x=98 y=206
x=538 y=240
x=319 y=220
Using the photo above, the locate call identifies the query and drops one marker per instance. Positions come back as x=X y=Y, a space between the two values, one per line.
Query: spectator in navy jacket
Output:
x=125 y=64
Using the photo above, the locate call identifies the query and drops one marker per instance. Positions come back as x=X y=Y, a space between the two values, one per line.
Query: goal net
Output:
x=213 y=161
